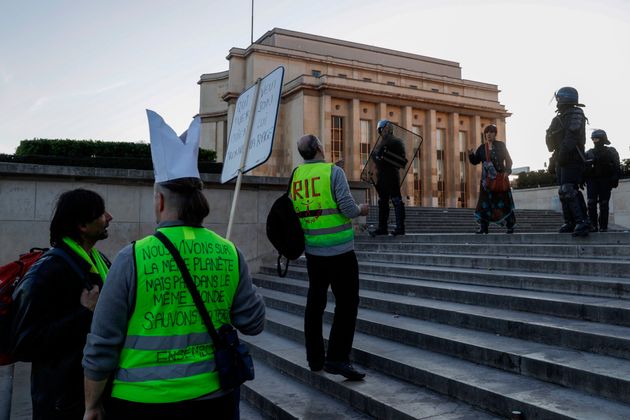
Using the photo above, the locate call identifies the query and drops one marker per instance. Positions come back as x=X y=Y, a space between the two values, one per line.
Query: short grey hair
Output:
x=307 y=146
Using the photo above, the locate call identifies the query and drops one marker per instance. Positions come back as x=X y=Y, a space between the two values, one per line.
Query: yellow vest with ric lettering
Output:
x=168 y=355
x=322 y=222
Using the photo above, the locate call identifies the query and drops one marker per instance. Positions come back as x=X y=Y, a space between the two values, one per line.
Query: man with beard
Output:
x=53 y=305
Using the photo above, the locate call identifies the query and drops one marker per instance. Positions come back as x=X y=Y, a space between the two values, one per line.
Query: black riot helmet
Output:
x=381 y=124
x=567 y=96
x=601 y=135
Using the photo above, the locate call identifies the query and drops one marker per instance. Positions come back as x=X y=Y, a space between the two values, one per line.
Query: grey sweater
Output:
x=116 y=304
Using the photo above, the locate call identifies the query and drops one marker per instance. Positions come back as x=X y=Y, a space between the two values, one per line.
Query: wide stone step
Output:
x=488 y=388
x=380 y=396
x=280 y=396
x=599 y=375
x=579 y=266
x=609 y=287
x=604 y=339
x=608 y=238
x=595 y=309
x=540 y=250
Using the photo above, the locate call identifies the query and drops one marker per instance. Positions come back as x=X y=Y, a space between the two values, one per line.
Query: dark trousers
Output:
x=341 y=273
x=598 y=191
x=222 y=408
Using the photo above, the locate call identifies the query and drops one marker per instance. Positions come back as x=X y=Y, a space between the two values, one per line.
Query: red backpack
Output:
x=11 y=276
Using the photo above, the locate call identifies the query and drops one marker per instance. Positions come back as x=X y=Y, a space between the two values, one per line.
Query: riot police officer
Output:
x=602 y=177
x=389 y=157
x=566 y=137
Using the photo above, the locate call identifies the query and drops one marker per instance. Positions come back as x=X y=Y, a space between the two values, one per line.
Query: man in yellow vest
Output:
x=148 y=336
x=321 y=197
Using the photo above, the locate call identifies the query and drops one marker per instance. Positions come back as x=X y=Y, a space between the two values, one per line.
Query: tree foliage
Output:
x=95 y=153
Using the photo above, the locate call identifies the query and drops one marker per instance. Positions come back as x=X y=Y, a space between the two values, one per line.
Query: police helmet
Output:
x=380 y=125
x=567 y=96
x=600 y=134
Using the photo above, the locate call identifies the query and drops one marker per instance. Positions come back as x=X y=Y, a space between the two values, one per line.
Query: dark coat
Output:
x=499 y=156
x=388 y=176
x=49 y=329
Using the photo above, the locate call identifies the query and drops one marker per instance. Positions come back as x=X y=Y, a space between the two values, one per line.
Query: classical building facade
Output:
x=338 y=90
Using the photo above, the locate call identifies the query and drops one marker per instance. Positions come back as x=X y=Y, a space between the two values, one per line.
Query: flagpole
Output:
x=252 y=31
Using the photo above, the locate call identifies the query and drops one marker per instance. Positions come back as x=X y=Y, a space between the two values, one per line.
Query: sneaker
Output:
x=344 y=369
x=397 y=232
x=566 y=228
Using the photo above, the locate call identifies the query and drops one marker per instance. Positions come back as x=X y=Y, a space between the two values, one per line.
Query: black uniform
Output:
x=388 y=183
x=602 y=177
x=566 y=138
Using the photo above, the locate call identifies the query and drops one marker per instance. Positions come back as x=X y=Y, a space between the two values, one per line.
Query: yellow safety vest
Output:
x=168 y=355
x=311 y=191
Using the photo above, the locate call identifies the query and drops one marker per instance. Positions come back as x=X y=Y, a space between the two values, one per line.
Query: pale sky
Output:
x=87 y=70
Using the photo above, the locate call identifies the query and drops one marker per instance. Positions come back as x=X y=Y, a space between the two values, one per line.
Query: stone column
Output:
x=474 y=171
x=352 y=148
x=325 y=123
x=429 y=161
x=451 y=161
x=406 y=123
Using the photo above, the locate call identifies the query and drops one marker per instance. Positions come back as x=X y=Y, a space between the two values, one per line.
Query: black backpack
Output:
x=284 y=230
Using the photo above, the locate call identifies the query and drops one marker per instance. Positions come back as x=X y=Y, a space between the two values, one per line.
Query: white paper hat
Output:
x=173 y=157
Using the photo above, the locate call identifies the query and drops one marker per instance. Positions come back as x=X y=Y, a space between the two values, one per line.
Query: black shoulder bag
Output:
x=233 y=362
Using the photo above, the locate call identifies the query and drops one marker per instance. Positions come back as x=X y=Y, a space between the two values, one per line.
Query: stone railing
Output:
x=547 y=199
x=28 y=194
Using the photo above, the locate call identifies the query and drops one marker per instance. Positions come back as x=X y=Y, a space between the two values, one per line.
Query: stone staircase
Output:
x=461 y=326
x=462 y=220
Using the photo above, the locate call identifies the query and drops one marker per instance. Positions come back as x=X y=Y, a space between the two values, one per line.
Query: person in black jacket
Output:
x=566 y=137
x=602 y=177
x=53 y=306
x=389 y=157
x=496 y=207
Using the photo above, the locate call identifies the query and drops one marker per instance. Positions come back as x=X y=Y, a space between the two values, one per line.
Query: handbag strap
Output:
x=487 y=153
x=205 y=315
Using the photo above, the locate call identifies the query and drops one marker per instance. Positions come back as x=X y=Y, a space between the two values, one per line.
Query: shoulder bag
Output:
x=494 y=181
x=233 y=362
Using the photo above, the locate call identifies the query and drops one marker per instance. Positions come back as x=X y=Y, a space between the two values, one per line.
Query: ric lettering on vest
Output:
x=306 y=187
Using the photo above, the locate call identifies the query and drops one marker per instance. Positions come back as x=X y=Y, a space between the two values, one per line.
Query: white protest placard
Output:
x=260 y=102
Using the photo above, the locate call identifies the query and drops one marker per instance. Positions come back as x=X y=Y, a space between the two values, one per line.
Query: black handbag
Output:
x=233 y=362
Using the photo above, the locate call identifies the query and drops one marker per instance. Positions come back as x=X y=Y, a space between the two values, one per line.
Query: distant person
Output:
x=566 y=137
x=389 y=157
x=321 y=197
x=496 y=207
x=54 y=305
x=602 y=177
x=147 y=335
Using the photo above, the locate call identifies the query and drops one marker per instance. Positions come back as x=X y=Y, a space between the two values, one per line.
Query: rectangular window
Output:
x=440 y=138
x=366 y=136
x=336 y=139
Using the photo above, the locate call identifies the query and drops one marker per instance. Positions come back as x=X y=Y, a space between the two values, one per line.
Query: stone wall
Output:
x=28 y=194
x=547 y=198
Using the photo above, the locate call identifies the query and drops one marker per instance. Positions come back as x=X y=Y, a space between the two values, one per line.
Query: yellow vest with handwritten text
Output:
x=168 y=355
